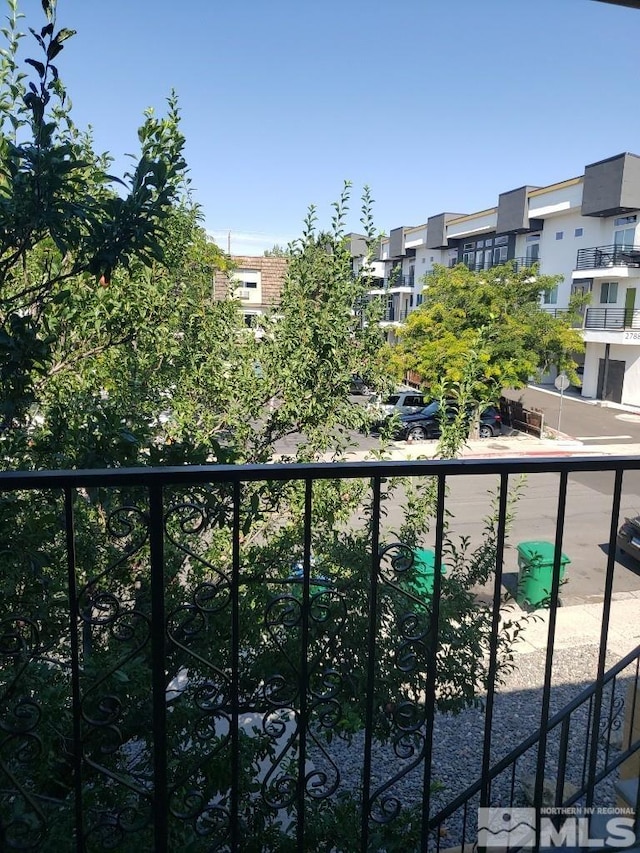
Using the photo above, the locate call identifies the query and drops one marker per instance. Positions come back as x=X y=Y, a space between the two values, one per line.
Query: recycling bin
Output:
x=535 y=572
x=422 y=572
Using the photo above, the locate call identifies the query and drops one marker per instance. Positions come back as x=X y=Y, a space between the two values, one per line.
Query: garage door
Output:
x=615 y=381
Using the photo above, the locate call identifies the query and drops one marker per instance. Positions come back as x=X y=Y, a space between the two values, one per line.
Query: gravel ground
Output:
x=457 y=747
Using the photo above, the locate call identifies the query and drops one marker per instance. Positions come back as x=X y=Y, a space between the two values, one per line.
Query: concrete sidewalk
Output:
x=506 y=446
x=580 y=625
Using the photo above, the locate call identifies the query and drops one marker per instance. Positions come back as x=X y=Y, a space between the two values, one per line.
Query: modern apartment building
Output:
x=584 y=229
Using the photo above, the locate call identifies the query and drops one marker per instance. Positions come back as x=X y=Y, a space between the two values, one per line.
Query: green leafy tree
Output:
x=277 y=251
x=113 y=353
x=61 y=219
x=486 y=329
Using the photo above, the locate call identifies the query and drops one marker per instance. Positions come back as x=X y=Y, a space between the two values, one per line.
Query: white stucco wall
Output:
x=470 y=225
x=631 y=388
x=415 y=237
x=555 y=201
x=559 y=257
x=630 y=354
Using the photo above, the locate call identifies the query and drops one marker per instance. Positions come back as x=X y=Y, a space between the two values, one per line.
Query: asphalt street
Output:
x=589 y=503
x=588 y=512
x=580 y=418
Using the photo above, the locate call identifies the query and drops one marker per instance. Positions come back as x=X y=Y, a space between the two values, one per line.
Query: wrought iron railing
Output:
x=612 y=318
x=580 y=736
x=395 y=315
x=155 y=695
x=608 y=256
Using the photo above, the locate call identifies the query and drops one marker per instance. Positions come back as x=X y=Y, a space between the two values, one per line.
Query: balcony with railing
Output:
x=394 y=315
x=604 y=257
x=190 y=686
x=400 y=284
x=612 y=318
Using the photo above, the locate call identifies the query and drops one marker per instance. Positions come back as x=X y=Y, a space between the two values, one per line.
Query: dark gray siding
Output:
x=513 y=215
x=357 y=245
x=396 y=242
x=436 y=229
x=611 y=186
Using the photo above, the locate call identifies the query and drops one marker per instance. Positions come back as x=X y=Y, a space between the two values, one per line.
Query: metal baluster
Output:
x=548 y=668
x=432 y=675
x=609 y=722
x=633 y=703
x=158 y=669
x=75 y=668
x=587 y=730
x=562 y=760
x=485 y=791
x=235 y=667
x=604 y=629
x=513 y=782
x=371 y=663
x=303 y=719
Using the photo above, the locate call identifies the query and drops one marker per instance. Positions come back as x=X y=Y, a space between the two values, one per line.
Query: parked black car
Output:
x=628 y=539
x=426 y=422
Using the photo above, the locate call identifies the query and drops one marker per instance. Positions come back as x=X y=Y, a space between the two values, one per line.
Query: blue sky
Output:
x=436 y=104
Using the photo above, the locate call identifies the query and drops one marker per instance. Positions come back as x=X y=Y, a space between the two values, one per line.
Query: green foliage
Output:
x=278 y=251
x=62 y=223
x=114 y=353
x=492 y=319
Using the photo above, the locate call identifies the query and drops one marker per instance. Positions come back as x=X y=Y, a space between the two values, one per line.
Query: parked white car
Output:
x=404 y=402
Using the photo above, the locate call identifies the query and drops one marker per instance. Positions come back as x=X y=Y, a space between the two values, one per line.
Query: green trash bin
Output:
x=535 y=572
x=421 y=575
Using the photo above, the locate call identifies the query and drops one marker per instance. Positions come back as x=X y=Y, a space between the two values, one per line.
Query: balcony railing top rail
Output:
x=181 y=475
x=598 y=257
x=198 y=697
x=395 y=315
x=399 y=281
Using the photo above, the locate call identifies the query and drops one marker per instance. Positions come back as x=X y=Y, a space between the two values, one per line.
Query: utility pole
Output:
x=229 y=243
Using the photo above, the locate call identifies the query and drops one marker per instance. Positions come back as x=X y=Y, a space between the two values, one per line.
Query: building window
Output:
x=624 y=238
x=532 y=238
x=559 y=235
x=419 y=299
x=467 y=246
x=252 y=285
x=550 y=297
x=488 y=243
x=499 y=255
x=625 y=220
x=608 y=292
x=501 y=241
x=578 y=232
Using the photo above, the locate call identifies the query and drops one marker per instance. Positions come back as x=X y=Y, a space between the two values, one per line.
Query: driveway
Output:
x=583 y=419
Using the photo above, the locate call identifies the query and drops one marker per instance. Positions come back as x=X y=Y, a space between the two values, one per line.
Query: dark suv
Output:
x=426 y=422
